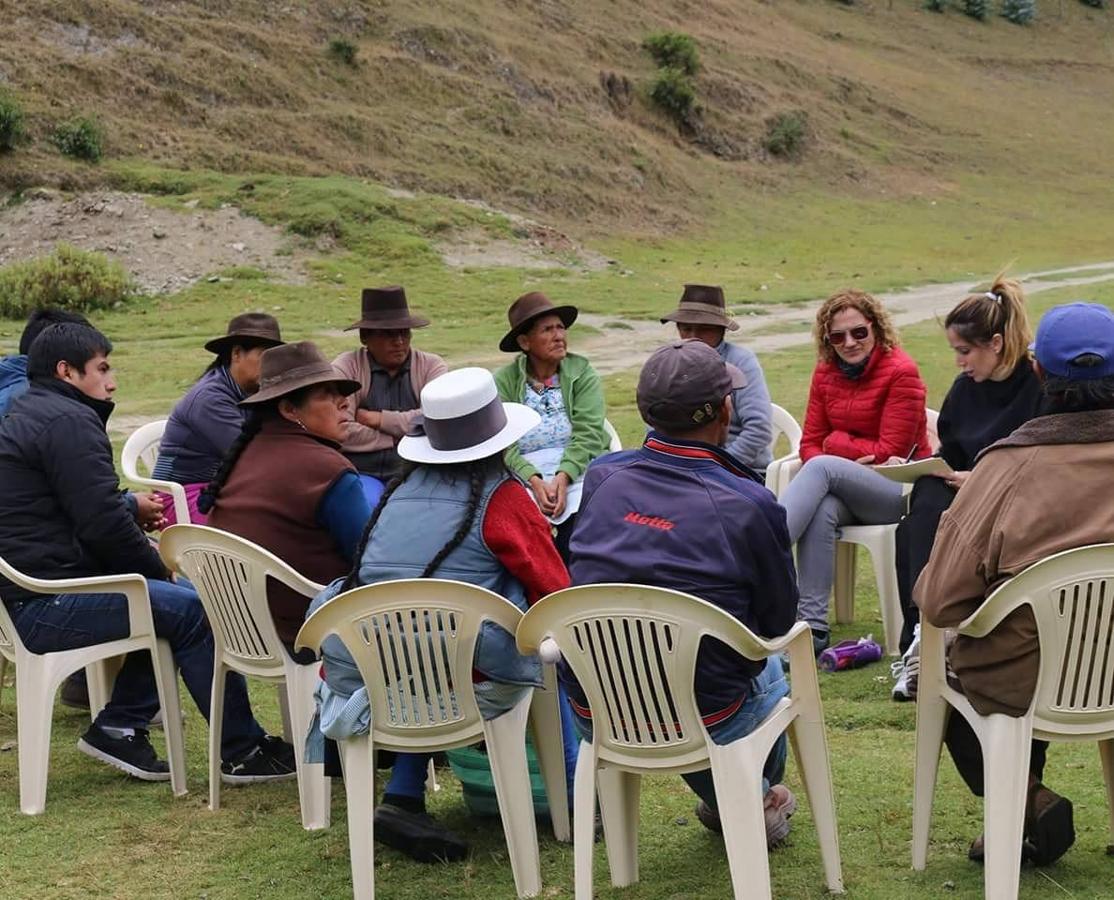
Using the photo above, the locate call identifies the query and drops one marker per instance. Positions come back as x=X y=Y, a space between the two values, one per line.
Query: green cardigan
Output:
x=582 y=393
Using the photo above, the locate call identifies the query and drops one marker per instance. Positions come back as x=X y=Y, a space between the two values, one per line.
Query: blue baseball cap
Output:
x=1070 y=331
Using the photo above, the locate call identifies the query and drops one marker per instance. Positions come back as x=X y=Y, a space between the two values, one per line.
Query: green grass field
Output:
x=104 y=836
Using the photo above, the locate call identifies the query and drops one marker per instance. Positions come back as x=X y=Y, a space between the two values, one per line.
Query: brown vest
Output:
x=271 y=499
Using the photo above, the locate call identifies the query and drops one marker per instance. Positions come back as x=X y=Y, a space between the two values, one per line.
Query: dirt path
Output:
x=626 y=341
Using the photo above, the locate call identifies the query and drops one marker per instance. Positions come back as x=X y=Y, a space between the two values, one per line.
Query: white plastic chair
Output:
x=783 y=424
x=413 y=641
x=615 y=444
x=38 y=676
x=880 y=542
x=1071 y=595
x=230 y=575
x=142 y=446
x=633 y=649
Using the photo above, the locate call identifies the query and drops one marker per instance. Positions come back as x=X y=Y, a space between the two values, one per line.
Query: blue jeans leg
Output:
x=408 y=775
x=68 y=621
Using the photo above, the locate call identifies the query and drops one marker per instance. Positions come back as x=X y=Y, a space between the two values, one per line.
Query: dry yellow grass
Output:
x=502 y=100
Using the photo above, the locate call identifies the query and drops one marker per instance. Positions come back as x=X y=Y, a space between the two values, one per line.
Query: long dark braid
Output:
x=252 y=424
x=352 y=580
x=477 y=472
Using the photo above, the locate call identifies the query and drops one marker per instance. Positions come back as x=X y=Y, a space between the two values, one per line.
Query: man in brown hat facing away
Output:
x=702 y=314
x=391 y=374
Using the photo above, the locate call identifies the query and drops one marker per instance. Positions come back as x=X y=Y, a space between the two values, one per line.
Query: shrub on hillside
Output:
x=672 y=50
x=343 y=50
x=936 y=5
x=786 y=134
x=1020 y=12
x=1097 y=4
x=11 y=123
x=977 y=9
x=672 y=92
x=80 y=138
x=68 y=278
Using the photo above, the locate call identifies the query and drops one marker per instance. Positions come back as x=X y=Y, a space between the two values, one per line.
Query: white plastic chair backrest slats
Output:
x=230 y=575
x=633 y=649
x=147 y=440
x=1085 y=681
x=1071 y=595
x=413 y=641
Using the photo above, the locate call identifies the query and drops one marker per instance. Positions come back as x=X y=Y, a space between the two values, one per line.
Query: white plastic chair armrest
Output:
x=176 y=491
x=989 y=615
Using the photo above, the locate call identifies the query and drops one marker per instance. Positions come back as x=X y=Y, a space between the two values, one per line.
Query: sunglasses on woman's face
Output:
x=858 y=333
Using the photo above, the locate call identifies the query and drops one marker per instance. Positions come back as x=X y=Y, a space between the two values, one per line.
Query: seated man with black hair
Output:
x=62 y=515
x=1037 y=492
x=679 y=512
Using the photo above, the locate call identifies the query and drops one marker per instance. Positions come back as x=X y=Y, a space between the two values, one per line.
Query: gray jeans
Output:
x=828 y=492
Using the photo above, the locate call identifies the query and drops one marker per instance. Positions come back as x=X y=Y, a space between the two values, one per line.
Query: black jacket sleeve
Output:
x=77 y=459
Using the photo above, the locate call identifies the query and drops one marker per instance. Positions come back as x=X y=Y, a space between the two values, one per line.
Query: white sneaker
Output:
x=906 y=670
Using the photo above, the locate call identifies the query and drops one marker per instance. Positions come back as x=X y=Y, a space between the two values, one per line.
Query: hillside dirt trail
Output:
x=626 y=341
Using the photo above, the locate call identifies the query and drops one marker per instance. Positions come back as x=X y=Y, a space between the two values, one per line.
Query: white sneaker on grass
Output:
x=906 y=670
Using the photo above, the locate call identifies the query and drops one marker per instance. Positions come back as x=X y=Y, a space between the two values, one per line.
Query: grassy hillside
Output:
x=502 y=100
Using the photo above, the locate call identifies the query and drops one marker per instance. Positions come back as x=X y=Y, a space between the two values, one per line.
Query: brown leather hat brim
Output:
x=567 y=315
x=217 y=345
x=344 y=385
x=700 y=317
x=389 y=324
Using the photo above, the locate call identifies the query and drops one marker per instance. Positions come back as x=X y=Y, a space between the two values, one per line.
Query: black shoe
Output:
x=1049 y=826
x=418 y=835
x=75 y=692
x=708 y=817
x=133 y=755
x=271 y=760
x=821 y=640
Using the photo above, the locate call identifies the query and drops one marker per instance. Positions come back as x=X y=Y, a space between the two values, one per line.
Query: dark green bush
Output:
x=68 y=278
x=977 y=9
x=1020 y=12
x=935 y=5
x=11 y=123
x=672 y=92
x=80 y=138
x=672 y=50
x=1097 y=4
x=343 y=50
x=786 y=134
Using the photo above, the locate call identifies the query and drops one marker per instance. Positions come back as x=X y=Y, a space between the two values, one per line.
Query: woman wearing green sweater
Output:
x=565 y=391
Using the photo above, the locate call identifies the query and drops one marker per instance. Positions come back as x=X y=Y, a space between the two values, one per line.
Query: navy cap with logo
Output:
x=1076 y=341
x=682 y=385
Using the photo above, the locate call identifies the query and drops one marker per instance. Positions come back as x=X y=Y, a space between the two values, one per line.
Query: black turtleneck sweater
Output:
x=976 y=414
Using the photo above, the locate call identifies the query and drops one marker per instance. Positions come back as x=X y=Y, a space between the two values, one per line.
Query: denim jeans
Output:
x=828 y=492
x=68 y=621
x=766 y=689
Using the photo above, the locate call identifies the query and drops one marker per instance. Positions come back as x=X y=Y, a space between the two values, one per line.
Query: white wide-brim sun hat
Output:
x=464 y=420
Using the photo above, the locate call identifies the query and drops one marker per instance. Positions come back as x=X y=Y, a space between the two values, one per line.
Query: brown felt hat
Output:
x=285 y=369
x=525 y=310
x=702 y=304
x=258 y=328
x=385 y=309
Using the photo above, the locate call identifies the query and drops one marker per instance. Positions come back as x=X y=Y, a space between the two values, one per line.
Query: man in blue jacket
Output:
x=680 y=512
x=13 y=369
x=62 y=515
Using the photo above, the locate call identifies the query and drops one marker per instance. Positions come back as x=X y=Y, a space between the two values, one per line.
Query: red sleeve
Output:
x=816 y=425
x=518 y=534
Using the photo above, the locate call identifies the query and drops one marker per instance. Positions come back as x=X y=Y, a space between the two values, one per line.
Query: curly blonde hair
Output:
x=885 y=335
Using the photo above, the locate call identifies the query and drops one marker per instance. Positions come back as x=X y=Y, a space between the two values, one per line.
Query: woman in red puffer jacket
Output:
x=865 y=406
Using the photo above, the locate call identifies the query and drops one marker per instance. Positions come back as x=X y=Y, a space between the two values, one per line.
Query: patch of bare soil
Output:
x=532 y=246
x=164 y=250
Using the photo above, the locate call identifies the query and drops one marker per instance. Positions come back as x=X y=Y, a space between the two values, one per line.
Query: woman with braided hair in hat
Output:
x=454 y=512
x=208 y=419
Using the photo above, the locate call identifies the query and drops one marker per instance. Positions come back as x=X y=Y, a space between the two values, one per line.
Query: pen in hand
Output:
x=909 y=458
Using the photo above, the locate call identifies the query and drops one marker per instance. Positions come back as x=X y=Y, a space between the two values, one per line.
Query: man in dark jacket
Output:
x=681 y=513
x=62 y=515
